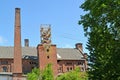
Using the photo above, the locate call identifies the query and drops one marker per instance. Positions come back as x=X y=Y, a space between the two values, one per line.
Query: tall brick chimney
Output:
x=17 y=65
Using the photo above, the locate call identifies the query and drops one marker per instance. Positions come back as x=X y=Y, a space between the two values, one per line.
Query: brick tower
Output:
x=17 y=65
x=47 y=51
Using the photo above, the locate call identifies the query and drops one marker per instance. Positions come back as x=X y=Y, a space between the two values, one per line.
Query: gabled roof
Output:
x=8 y=52
x=62 y=53
x=68 y=54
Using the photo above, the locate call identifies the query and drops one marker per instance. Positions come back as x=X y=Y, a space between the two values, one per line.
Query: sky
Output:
x=62 y=15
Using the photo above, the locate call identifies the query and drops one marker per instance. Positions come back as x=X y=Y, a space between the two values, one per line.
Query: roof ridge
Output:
x=65 y=48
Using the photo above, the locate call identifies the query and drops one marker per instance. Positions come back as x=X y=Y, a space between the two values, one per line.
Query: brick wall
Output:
x=68 y=65
x=47 y=56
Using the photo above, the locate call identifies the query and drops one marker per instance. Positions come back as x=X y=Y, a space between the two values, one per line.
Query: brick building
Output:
x=18 y=60
x=67 y=59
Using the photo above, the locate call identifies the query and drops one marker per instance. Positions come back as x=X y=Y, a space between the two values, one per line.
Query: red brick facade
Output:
x=6 y=65
x=46 y=56
x=68 y=65
x=27 y=65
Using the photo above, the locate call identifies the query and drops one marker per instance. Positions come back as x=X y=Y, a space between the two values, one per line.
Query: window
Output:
x=60 y=69
x=4 y=68
x=58 y=60
x=82 y=69
x=67 y=68
x=32 y=62
x=80 y=63
x=70 y=68
x=4 y=62
x=68 y=63
x=48 y=57
x=47 y=50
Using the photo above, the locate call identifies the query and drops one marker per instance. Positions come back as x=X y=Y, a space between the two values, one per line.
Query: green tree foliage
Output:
x=102 y=27
x=34 y=75
x=46 y=74
x=73 y=75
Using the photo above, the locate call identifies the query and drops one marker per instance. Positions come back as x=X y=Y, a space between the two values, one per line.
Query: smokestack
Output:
x=17 y=66
x=26 y=41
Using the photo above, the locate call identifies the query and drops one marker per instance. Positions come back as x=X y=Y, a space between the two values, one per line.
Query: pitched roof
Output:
x=62 y=53
x=8 y=52
x=68 y=54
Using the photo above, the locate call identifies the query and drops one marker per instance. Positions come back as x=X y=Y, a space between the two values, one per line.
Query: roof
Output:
x=8 y=52
x=68 y=54
x=62 y=53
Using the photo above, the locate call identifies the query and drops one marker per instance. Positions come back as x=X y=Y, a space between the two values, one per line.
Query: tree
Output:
x=37 y=74
x=101 y=24
x=73 y=75
x=48 y=73
x=34 y=75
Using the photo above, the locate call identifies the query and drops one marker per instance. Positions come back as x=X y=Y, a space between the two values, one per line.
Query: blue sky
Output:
x=63 y=15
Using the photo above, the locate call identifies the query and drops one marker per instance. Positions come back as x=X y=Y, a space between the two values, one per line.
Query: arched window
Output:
x=5 y=69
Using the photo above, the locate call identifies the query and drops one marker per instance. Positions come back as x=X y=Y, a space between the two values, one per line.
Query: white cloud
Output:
x=2 y=40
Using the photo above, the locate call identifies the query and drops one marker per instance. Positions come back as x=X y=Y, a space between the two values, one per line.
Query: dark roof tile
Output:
x=62 y=53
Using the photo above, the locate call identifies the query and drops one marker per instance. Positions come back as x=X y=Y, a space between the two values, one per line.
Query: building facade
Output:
x=67 y=59
x=18 y=60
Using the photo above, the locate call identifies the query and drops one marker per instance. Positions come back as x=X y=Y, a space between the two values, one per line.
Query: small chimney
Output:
x=26 y=42
x=79 y=46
